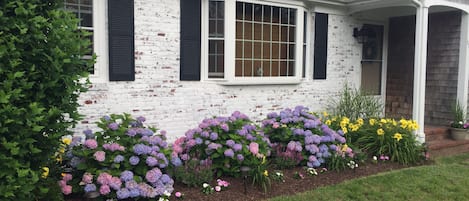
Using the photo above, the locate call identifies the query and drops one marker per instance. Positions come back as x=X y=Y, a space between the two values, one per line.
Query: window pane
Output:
x=257 y=12
x=265 y=40
x=216 y=59
x=248 y=11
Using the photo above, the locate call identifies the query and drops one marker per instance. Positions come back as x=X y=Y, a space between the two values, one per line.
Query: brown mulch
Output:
x=291 y=185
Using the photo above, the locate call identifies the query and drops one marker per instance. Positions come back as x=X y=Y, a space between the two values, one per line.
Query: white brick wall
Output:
x=176 y=106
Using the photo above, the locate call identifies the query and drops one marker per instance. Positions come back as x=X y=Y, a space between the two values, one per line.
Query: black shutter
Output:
x=320 y=46
x=121 y=40
x=190 y=39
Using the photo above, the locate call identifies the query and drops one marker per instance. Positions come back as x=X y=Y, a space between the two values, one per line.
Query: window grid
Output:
x=283 y=64
x=216 y=39
x=83 y=9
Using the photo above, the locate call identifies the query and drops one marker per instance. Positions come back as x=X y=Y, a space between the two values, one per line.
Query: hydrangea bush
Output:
x=298 y=131
x=124 y=160
x=227 y=143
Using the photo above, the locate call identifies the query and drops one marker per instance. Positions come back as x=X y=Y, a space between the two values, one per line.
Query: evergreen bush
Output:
x=41 y=64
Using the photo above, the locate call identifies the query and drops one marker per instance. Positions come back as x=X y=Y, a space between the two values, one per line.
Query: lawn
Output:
x=447 y=179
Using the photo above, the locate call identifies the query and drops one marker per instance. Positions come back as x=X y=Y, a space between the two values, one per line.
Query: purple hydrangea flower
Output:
x=127 y=176
x=214 y=146
x=106 y=118
x=198 y=140
x=131 y=132
x=141 y=149
x=151 y=161
x=230 y=143
x=118 y=159
x=134 y=160
x=213 y=136
x=141 y=119
x=224 y=127
x=240 y=157
x=88 y=134
x=176 y=161
x=90 y=188
x=229 y=153
x=153 y=175
x=113 y=126
x=123 y=193
x=165 y=179
x=237 y=147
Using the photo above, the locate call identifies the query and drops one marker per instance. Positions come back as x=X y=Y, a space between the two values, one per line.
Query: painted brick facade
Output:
x=176 y=106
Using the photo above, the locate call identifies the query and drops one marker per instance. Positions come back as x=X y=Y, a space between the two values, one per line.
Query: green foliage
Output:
x=40 y=68
x=458 y=116
x=192 y=173
x=355 y=104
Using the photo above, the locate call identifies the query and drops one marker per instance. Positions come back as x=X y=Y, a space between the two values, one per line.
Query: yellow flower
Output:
x=284 y=126
x=66 y=141
x=344 y=148
x=344 y=129
x=383 y=121
x=404 y=123
x=372 y=122
x=325 y=114
x=266 y=173
x=62 y=150
x=380 y=131
x=354 y=127
x=344 y=122
x=360 y=121
x=45 y=172
x=328 y=122
x=397 y=136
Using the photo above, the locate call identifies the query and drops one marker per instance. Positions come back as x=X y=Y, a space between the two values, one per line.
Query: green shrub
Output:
x=355 y=104
x=40 y=68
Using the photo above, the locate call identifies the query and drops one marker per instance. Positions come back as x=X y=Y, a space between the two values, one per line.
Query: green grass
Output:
x=447 y=179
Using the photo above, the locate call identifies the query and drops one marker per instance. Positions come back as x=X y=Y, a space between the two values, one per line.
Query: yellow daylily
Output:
x=372 y=122
x=67 y=141
x=344 y=148
x=328 y=122
x=397 y=136
x=325 y=114
x=380 y=131
x=266 y=173
x=360 y=121
x=45 y=172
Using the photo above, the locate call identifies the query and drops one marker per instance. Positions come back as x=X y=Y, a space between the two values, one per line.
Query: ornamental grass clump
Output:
x=124 y=160
x=229 y=143
x=298 y=131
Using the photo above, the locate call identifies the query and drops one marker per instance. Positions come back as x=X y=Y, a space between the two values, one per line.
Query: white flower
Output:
x=375 y=158
x=205 y=185
x=166 y=193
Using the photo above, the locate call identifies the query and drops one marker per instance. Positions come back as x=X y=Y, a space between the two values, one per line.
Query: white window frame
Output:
x=230 y=45
x=100 y=42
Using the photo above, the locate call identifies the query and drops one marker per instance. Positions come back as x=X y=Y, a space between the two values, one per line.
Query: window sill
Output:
x=258 y=81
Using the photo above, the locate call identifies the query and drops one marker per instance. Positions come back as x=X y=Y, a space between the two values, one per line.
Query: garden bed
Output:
x=291 y=185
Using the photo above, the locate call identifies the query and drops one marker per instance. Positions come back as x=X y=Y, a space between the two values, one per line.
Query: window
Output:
x=372 y=60
x=244 y=41
x=92 y=15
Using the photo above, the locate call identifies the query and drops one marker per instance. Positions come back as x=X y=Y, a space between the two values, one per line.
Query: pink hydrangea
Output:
x=67 y=177
x=104 y=178
x=87 y=178
x=104 y=190
x=91 y=144
x=217 y=188
x=254 y=148
x=100 y=156
x=66 y=189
